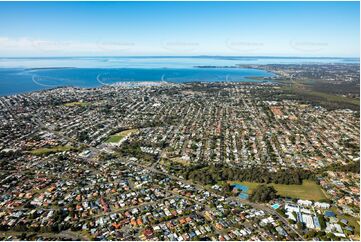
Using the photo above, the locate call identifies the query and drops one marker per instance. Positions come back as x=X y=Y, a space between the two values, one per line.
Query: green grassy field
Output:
x=181 y=161
x=72 y=104
x=115 y=138
x=55 y=149
x=309 y=190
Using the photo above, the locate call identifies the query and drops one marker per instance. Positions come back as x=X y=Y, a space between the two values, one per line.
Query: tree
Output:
x=300 y=225
x=322 y=222
x=263 y=193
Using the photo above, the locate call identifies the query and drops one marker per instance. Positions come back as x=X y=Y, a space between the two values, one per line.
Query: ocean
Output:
x=21 y=75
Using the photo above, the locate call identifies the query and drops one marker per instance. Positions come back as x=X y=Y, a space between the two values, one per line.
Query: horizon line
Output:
x=190 y=56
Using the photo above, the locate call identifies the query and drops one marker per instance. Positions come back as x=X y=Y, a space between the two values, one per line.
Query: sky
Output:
x=320 y=29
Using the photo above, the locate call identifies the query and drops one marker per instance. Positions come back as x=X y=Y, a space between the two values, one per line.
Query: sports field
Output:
x=181 y=161
x=72 y=104
x=55 y=149
x=309 y=190
x=115 y=138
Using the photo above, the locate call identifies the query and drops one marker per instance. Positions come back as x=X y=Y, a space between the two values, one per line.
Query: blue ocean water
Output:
x=15 y=80
x=158 y=61
x=20 y=75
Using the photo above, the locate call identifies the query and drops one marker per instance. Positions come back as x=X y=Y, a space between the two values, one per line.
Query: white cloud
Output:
x=38 y=47
x=26 y=46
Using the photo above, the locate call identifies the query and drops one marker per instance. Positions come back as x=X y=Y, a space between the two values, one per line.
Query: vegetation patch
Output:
x=328 y=100
x=308 y=190
x=55 y=149
x=354 y=222
x=72 y=104
x=181 y=161
x=211 y=174
x=115 y=138
x=132 y=149
x=263 y=193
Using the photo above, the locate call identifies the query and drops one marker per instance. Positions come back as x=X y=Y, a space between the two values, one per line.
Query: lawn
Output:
x=181 y=161
x=55 y=149
x=309 y=190
x=115 y=138
x=72 y=104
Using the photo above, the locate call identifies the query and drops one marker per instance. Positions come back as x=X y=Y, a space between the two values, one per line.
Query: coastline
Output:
x=20 y=81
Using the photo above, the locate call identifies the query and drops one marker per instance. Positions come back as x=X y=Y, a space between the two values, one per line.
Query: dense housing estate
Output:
x=123 y=162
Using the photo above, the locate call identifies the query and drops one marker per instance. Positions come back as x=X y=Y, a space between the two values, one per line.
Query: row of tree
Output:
x=211 y=174
x=353 y=167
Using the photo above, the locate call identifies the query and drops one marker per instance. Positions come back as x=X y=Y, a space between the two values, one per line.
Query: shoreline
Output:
x=22 y=81
x=140 y=84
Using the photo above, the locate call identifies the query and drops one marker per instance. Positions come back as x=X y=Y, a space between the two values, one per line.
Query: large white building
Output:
x=322 y=205
x=308 y=220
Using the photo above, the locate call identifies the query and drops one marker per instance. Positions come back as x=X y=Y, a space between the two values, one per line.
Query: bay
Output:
x=16 y=81
x=26 y=74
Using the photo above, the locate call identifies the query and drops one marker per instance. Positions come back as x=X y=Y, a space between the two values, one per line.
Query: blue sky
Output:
x=180 y=28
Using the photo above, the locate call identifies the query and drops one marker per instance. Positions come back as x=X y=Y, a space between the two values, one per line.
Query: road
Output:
x=269 y=210
x=202 y=188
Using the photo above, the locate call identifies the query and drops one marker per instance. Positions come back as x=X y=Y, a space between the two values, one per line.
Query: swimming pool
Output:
x=275 y=206
x=243 y=196
x=241 y=187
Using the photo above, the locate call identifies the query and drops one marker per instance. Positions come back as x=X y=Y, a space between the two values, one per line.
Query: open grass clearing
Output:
x=72 y=104
x=55 y=149
x=115 y=138
x=181 y=161
x=309 y=190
